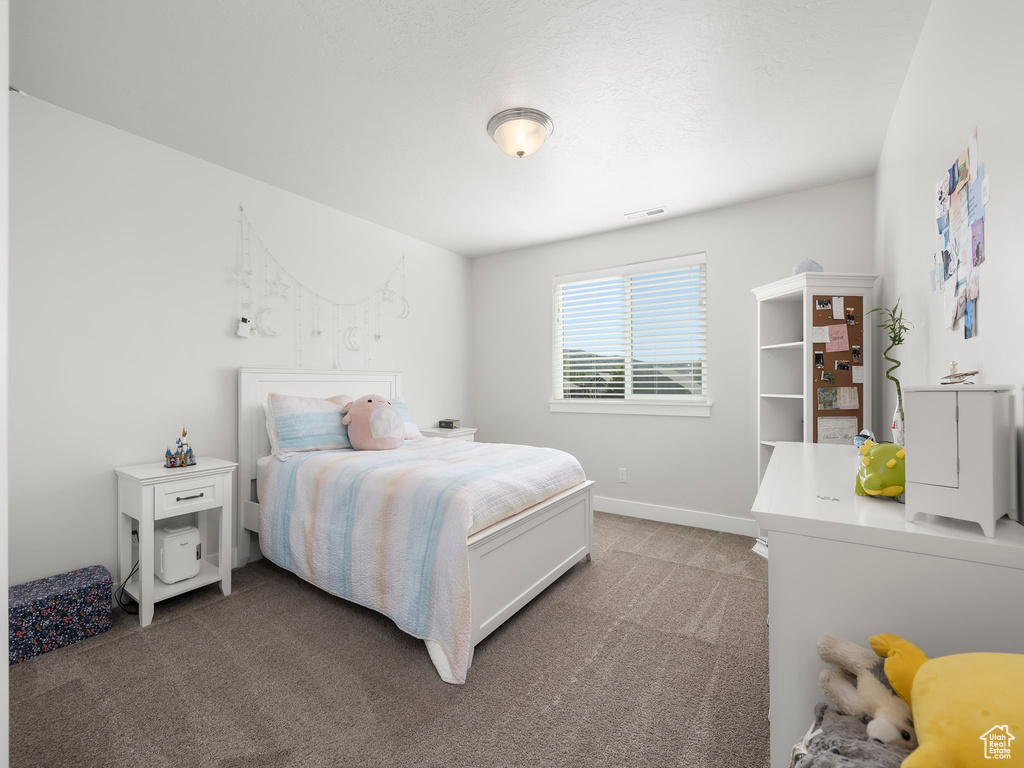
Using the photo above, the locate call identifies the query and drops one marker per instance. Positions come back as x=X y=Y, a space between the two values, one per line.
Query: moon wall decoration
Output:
x=404 y=313
x=349 y=340
x=261 y=322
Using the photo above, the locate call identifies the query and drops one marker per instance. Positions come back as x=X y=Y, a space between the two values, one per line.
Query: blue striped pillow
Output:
x=307 y=423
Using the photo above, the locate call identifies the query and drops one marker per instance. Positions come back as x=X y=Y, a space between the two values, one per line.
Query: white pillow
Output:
x=411 y=430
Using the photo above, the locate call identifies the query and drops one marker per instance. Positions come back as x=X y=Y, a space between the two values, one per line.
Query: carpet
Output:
x=655 y=654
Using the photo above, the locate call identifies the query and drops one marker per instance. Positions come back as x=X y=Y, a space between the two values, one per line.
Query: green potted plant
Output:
x=896 y=329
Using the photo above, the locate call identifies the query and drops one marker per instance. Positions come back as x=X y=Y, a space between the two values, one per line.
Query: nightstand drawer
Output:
x=184 y=496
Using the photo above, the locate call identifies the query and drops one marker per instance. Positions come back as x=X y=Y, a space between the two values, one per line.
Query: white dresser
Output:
x=853 y=566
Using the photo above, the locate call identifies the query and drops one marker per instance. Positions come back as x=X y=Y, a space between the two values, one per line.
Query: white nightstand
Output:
x=148 y=493
x=463 y=433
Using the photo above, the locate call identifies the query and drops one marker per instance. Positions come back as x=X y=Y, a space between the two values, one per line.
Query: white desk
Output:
x=852 y=566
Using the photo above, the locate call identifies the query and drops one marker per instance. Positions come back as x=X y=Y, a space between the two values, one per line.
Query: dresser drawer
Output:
x=184 y=496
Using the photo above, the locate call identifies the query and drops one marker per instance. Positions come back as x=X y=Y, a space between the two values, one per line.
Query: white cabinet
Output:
x=149 y=493
x=467 y=434
x=932 y=443
x=961 y=453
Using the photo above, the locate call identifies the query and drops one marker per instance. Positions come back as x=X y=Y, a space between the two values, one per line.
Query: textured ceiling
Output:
x=379 y=108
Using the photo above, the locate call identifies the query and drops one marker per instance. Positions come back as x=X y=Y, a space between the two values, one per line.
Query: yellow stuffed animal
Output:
x=968 y=708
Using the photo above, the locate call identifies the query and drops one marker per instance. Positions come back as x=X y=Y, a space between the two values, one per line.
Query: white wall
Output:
x=702 y=465
x=123 y=318
x=939 y=106
x=4 y=327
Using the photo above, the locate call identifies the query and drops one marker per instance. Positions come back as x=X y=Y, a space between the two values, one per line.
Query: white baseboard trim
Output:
x=743 y=526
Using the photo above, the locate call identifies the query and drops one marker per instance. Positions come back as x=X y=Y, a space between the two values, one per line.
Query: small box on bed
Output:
x=50 y=613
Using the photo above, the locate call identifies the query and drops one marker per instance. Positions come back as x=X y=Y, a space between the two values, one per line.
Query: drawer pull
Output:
x=187 y=498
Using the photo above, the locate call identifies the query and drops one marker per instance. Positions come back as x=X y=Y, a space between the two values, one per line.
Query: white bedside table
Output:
x=148 y=493
x=463 y=433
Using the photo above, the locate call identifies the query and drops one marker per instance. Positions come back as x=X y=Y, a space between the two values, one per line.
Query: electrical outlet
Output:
x=622 y=474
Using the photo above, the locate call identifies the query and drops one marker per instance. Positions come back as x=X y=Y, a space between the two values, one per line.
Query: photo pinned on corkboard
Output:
x=828 y=399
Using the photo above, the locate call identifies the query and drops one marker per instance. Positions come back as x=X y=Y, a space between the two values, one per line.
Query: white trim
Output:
x=631 y=407
x=743 y=526
x=796 y=284
x=626 y=270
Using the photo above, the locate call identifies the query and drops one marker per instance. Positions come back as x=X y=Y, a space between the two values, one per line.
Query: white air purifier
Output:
x=176 y=552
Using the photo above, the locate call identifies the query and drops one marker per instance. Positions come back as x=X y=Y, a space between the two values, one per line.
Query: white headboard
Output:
x=255 y=384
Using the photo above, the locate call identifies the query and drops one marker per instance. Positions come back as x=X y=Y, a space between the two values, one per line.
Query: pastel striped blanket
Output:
x=388 y=529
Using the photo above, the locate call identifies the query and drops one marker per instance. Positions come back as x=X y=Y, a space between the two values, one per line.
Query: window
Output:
x=633 y=339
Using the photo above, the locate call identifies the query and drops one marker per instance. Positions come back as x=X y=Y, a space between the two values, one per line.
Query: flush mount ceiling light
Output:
x=519 y=132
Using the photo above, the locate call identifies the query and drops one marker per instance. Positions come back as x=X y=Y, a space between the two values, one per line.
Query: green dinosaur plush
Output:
x=882 y=471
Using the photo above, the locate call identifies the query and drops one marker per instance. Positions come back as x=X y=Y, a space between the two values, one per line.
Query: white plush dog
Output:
x=859 y=687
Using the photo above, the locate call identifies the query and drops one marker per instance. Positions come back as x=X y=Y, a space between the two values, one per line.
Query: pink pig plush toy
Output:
x=374 y=424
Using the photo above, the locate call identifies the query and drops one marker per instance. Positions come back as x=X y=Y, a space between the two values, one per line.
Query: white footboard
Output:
x=511 y=562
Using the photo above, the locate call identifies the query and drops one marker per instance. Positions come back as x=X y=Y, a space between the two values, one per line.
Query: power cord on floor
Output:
x=119 y=593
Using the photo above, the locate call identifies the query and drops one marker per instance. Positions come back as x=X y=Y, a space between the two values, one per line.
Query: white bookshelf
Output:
x=787 y=345
x=785 y=363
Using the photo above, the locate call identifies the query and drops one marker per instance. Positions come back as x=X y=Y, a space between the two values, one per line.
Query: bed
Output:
x=527 y=518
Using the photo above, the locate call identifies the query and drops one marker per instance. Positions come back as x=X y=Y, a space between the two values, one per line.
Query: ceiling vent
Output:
x=649 y=213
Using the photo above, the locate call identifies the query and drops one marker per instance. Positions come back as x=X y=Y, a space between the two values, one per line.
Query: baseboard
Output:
x=726 y=523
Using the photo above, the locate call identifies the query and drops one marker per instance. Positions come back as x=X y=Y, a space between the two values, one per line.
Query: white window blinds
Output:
x=638 y=332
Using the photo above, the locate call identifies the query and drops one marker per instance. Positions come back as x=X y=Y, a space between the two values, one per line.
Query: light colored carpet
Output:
x=654 y=654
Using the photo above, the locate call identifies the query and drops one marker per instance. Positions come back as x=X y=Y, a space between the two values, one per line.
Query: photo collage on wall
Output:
x=961 y=196
x=837 y=336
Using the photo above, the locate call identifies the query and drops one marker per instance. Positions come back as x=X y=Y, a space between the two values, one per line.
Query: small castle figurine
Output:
x=183 y=455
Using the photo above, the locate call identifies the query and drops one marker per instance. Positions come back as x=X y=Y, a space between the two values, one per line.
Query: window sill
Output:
x=631 y=407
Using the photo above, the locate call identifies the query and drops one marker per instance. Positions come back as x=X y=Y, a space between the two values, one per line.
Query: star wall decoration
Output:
x=242 y=276
x=280 y=286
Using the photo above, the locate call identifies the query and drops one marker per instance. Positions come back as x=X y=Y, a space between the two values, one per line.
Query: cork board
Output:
x=838 y=359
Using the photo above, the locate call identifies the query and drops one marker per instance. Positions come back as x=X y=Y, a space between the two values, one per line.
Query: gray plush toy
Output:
x=842 y=741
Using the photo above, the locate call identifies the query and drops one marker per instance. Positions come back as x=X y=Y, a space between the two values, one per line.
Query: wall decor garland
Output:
x=270 y=288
